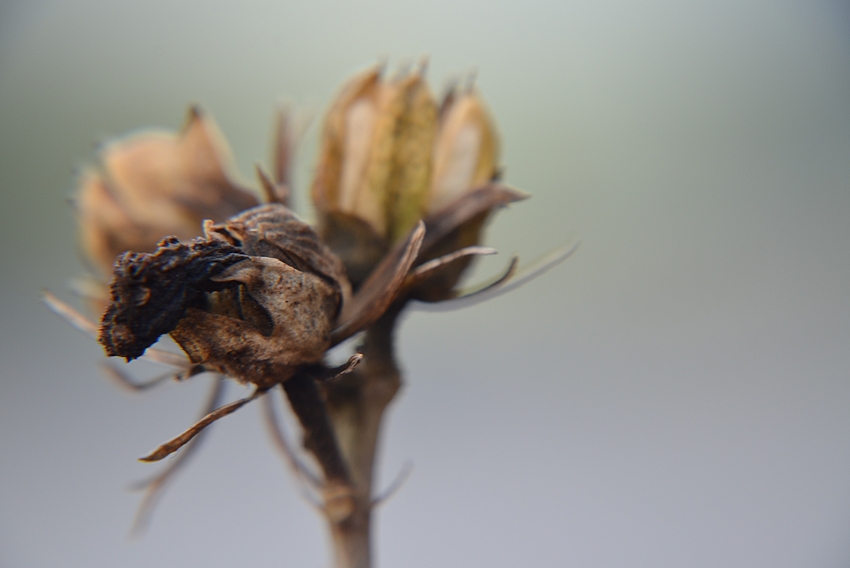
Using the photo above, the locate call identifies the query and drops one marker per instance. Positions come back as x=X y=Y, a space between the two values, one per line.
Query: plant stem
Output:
x=356 y=404
x=307 y=402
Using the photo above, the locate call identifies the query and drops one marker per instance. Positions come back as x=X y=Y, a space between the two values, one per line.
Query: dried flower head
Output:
x=155 y=184
x=253 y=299
x=389 y=157
x=374 y=167
x=376 y=152
x=257 y=298
x=403 y=189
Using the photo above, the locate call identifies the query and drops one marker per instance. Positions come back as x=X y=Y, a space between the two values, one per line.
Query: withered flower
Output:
x=257 y=298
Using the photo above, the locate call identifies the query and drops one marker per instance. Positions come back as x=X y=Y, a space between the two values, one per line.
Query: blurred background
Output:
x=675 y=394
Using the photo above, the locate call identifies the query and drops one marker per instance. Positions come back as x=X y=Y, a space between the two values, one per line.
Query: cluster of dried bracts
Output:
x=402 y=190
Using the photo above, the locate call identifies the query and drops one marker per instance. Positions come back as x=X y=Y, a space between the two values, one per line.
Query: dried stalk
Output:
x=356 y=405
x=341 y=421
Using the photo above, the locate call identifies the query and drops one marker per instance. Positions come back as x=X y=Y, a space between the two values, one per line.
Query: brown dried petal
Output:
x=160 y=173
x=346 y=139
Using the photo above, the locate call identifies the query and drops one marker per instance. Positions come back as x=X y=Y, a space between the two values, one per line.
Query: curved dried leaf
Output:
x=510 y=280
x=178 y=442
x=427 y=269
x=154 y=487
x=481 y=200
x=69 y=314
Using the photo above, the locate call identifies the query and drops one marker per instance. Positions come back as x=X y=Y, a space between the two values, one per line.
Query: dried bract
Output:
x=453 y=228
x=389 y=157
x=466 y=153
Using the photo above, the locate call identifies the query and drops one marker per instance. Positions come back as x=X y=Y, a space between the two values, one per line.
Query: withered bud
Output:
x=154 y=184
x=375 y=158
x=150 y=293
x=466 y=153
x=254 y=299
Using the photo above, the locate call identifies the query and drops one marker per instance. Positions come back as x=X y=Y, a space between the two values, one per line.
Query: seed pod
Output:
x=273 y=320
x=466 y=154
x=374 y=167
x=155 y=184
x=401 y=169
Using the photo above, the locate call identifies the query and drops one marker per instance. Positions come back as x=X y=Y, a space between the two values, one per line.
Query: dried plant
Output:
x=403 y=189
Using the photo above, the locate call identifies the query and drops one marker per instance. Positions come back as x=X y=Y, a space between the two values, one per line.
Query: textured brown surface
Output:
x=151 y=292
x=255 y=298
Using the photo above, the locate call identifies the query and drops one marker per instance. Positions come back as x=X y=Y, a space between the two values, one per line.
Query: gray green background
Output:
x=676 y=394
